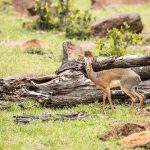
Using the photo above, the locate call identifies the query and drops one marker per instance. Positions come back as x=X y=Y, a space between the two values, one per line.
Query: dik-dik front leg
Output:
x=104 y=99
x=109 y=98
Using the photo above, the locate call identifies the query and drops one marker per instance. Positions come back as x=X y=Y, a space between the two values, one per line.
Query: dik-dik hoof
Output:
x=140 y=110
x=130 y=111
x=113 y=110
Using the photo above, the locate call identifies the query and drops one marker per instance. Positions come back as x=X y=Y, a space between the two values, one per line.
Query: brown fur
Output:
x=88 y=54
x=125 y=78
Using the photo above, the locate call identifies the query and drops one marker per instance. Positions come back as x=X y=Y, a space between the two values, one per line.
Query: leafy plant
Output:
x=117 y=41
x=45 y=18
x=62 y=16
x=64 y=8
x=79 y=25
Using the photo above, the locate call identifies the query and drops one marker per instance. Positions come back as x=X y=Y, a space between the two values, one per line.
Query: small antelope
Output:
x=124 y=78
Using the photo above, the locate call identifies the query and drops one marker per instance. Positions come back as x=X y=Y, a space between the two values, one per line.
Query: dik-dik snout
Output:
x=88 y=64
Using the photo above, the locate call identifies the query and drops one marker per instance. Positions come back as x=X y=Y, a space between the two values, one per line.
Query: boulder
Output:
x=25 y=8
x=100 y=27
x=103 y=3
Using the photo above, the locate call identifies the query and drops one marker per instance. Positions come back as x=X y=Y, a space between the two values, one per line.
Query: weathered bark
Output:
x=142 y=62
x=121 y=62
x=70 y=85
x=69 y=88
x=46 y=117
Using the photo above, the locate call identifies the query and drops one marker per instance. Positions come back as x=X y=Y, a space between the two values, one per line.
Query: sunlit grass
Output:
x=72 y=135
x=14 y=60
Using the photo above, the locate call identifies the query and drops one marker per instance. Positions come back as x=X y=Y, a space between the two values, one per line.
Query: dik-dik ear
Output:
x=94 y=59
x=88 y=54
x=88 y=59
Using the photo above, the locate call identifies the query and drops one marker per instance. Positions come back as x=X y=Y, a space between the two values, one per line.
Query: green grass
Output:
x=71 y=135
x=68 y=135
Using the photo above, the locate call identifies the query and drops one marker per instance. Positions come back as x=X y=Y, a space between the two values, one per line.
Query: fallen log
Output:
x=70 y=85
x=69 y=88
x=139 y=63
x=46 y=117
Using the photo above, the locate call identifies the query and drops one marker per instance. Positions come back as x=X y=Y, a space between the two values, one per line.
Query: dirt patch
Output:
x=136 y=140
x=24 y=44
x=145 y=112
x=126 y=129
x=31 y=43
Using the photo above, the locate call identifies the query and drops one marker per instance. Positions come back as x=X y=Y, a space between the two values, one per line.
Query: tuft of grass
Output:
x=34 y=50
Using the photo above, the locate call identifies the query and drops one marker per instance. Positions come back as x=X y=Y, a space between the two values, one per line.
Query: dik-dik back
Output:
x=117 y=77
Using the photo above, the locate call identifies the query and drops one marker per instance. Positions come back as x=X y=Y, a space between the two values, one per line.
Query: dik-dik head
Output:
x=88 y=64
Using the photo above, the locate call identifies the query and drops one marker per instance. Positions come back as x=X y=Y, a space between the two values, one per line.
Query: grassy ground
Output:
x=68 y=135
x=71 y=135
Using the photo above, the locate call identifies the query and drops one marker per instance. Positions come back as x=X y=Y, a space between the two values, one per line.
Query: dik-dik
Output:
x=124 y=78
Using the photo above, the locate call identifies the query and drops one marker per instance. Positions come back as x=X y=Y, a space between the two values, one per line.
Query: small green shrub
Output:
x=117 y=41
x=45 y=20
x=78 y=25
x=34 y=50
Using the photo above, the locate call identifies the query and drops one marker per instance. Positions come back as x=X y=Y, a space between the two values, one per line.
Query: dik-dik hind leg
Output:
x=109 y=98
x=141 y=98
x=104 y=100
x=131 y=96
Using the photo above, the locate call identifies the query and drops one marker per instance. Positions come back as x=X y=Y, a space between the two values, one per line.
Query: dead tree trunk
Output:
x=70 y=85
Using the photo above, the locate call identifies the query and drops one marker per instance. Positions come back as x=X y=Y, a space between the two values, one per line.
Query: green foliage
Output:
x=78 y=25
x=62 y=16
x=34 y=50
x=64 y=7
x=117 y=41
x=45 y=18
